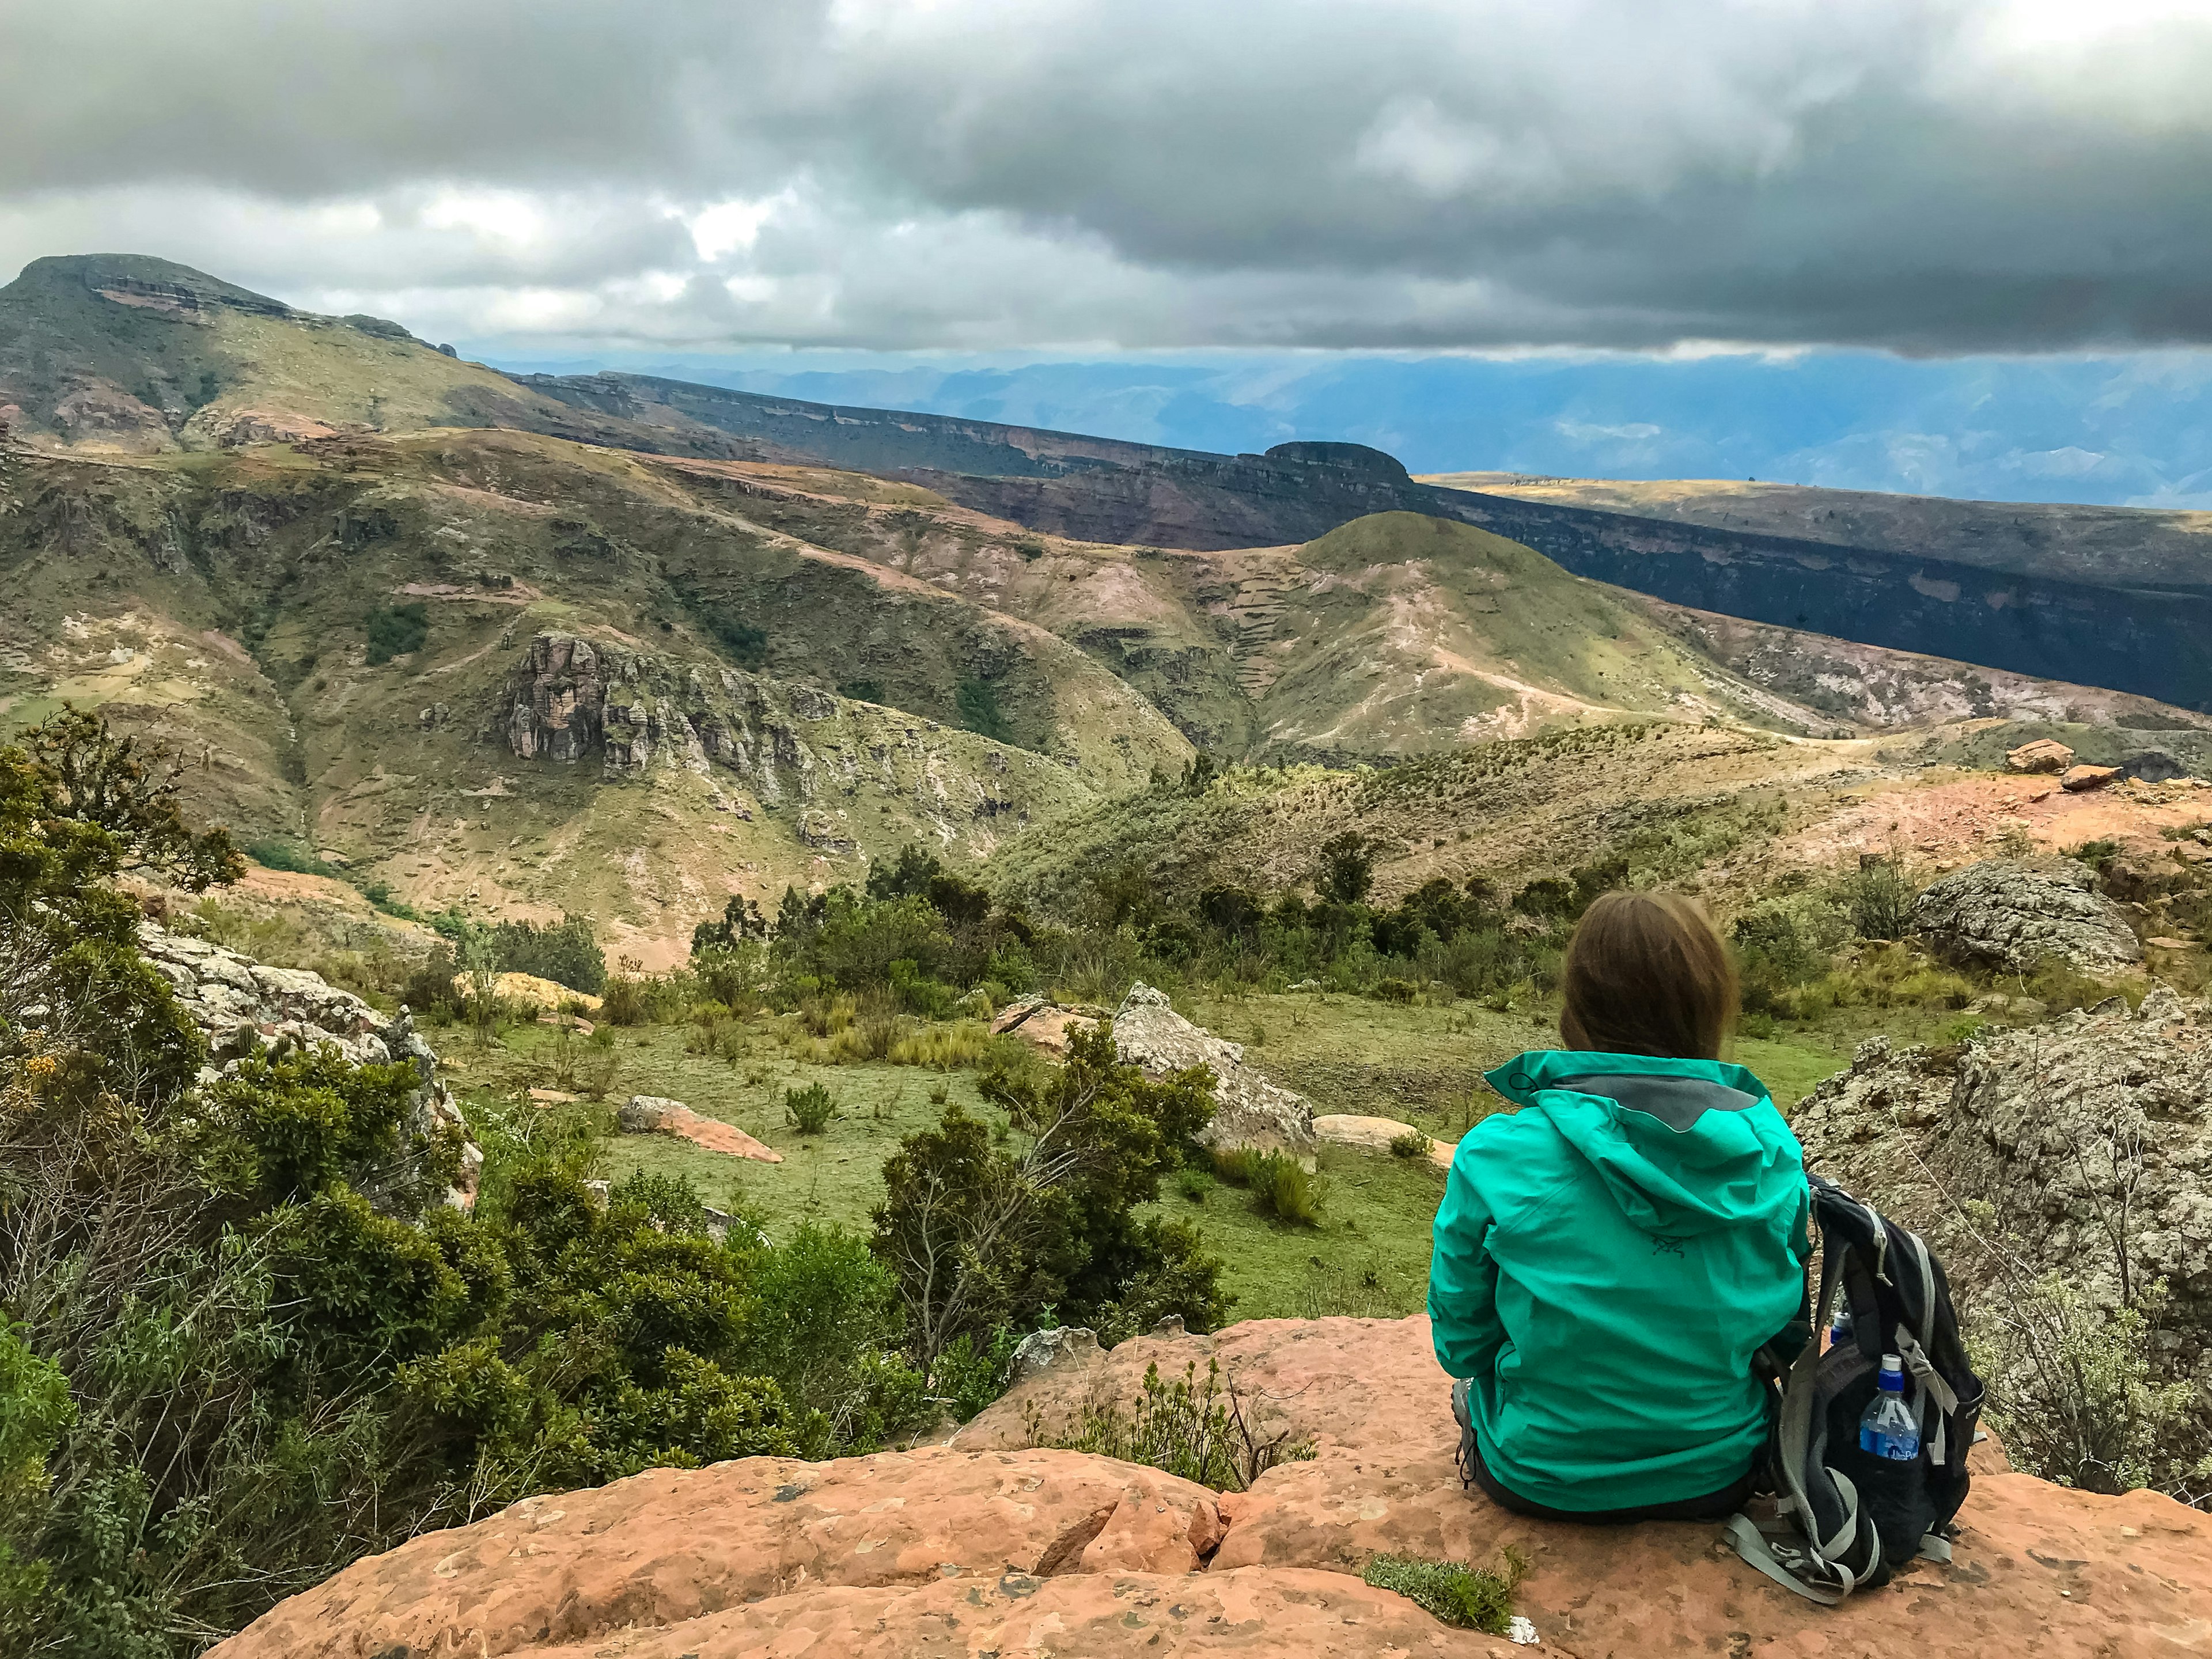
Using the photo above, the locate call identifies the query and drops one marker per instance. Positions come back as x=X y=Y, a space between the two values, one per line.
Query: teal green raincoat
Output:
x=1608 y=1259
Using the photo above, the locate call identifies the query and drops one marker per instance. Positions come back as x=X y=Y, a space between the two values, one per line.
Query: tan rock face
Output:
x=2075 y=779
x=987 y=1548
x=1374 y=1134
x=2044 y=755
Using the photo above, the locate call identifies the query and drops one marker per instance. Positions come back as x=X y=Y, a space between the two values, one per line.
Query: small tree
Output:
x=977 y=1237
x=1345 y=869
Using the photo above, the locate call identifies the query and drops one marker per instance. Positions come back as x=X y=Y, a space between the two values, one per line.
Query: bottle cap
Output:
x=1890 y=1362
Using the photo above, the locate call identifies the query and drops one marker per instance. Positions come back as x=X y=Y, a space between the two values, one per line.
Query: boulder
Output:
x=2010 y=916
x=1374 y=1134
x=1064 y=1348
x=648 y=1115
x=2076 y=779
x=991 y=1547
x=2044 y=755
x=244 y=1007
x=1249 y=1110
x=2097 y=1120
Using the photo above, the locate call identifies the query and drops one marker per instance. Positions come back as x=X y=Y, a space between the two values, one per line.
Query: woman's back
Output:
x=1610 y=1258
x=1607 y=1261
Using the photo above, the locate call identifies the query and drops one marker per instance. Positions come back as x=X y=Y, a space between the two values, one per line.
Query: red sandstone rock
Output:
x=981 y=1548
x=654 y=1115
x=2076 y=779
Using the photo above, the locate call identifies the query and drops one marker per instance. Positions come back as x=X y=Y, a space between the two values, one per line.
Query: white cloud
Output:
x=1632 y=432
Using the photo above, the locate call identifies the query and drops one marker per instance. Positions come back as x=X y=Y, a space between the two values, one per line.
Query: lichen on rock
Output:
x=2012 y=916
x=1249 y=1111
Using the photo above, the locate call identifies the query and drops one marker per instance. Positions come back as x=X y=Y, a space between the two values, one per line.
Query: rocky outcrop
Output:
x=2011 y=917
x=571 y=698
x=2090 y=1138
x=2044 y=755
x=990 y=1547
x=650 y=1115
x=2079 y=779
x=1249 y=1110
x=243 y=1006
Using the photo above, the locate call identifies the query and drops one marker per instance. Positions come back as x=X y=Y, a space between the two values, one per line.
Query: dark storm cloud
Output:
x=1927 y=175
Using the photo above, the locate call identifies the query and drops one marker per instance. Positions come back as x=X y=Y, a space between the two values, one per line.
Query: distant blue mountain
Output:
x=2133 y=430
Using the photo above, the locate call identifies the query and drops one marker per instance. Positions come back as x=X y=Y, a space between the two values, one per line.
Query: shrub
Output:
x=274 y=855
x=1471 y=1598
x=1194 y=1183
x=429 y=991
x=811 y=1109
x=1412 y=1144
x=564 y=952
x=1345 y=869
x=1396 y=990
x=2077 y=1392
x=974 y=1370
x=979 y=1237
x=397 y=630
x=1279 y=1185
x=1202 y=1431
x=1878 y=897
x=624 y=1000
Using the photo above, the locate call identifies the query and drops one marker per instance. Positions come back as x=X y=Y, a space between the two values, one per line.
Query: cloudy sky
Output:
x=1095 y=180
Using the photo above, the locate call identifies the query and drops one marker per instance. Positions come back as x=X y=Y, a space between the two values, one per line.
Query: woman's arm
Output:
x=1463 y=1283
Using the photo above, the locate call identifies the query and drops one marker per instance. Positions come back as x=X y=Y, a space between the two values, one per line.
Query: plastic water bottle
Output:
x=1888 y=1429
x=1840 y=1331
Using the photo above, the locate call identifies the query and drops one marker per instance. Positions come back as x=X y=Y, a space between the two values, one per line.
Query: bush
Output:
x=1279 y=1185
x=979 y=1237
x=564 y=952
x=1471 y=1598
x=1200 y=1432
x=397 y=630
x=1194 y=1183
x=2076 y=1391
x=624 y=1000
x=273 y=855
x=811 y=1109
x=1878 y=897
x=1412 y=1144
x=253 y=1343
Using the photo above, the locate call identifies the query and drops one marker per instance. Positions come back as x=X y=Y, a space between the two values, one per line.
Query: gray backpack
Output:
x=1847 y=1518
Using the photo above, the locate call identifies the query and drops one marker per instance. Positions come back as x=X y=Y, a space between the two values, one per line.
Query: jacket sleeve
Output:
x=1463 y=1283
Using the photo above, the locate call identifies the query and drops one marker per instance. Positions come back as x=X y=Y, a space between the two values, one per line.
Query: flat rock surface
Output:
x=1374 y=1134
x=984 y=1548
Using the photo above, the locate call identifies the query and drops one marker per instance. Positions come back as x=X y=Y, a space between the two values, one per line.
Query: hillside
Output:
x=125 y=352
x=130 y=353
x=343 y=636
x=2117 y=546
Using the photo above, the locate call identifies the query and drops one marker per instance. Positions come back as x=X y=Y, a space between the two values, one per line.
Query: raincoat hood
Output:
x=1679 y=1145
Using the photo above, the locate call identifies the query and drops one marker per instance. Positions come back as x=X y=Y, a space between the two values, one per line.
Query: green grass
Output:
x=1368 y=1255
x=1472 y=1598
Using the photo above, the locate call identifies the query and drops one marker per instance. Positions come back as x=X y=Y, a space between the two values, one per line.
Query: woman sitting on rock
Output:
x=1610 y=1258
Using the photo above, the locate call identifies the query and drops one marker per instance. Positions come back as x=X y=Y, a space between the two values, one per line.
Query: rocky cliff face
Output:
x=990 y=1547
x=782 y=743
